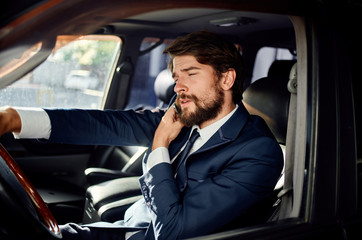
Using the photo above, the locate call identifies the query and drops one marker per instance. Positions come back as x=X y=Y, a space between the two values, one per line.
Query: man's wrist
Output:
x=10 y=121
x=159 y=142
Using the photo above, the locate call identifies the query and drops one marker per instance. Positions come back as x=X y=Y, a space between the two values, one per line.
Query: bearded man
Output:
x=233 y=164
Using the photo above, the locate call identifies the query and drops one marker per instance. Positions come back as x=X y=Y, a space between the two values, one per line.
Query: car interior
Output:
x=85 y=184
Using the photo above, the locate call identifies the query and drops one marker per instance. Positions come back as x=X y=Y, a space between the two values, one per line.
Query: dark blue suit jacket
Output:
x=238 y=167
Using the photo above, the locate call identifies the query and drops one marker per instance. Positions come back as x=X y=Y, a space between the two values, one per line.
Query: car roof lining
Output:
x=175 y=22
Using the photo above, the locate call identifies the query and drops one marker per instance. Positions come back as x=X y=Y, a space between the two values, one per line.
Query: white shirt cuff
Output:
x=35 y=123
x=159 y=155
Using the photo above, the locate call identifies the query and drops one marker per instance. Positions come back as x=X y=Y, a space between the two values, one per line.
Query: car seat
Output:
x=267 y=97
x=163 y=87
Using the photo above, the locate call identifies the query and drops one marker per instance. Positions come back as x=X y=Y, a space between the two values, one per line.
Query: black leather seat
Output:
x=112 y=156
x=108 y=201
x=269 y=98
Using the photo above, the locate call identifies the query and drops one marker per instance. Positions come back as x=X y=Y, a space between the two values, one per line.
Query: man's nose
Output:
x=180 y=86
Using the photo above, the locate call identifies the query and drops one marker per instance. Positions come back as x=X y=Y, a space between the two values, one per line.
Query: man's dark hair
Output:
x=213 y=50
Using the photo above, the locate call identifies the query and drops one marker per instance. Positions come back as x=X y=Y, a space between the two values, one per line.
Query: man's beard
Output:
x=208 y=111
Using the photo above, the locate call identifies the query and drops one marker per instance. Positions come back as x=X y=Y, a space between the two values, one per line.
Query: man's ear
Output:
x=228 y=79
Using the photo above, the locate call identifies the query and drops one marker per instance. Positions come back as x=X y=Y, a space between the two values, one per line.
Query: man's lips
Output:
x=184 y=102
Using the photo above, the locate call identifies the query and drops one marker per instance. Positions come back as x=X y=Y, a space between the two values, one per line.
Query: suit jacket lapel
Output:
x=229 y=131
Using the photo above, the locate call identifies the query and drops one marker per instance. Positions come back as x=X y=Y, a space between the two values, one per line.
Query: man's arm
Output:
x=9 y=120
x=76 y=126
x=103 y=127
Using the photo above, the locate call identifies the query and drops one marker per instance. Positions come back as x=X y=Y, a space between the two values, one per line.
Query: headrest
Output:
x=164 y=85
x=281 y=68
x=269 y=98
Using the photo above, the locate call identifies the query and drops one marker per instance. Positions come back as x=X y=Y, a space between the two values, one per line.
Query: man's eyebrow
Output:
x=190 y=68
x=186 y=70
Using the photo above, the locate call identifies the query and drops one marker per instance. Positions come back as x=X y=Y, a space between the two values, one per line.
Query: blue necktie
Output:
x=179 y=164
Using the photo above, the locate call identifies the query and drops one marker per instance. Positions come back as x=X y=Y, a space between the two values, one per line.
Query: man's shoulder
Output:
x=257 y=126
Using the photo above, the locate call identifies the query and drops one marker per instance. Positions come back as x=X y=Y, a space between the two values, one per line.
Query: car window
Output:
x=150 y=63
x=265 y=57
x=75 y=75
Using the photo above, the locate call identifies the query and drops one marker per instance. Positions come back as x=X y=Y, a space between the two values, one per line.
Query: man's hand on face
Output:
x=9 y=120
x=167 y=130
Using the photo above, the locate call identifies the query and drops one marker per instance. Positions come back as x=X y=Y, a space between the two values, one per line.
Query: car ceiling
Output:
x=82 y=17
x=191 y=19
x=149 y=19
x=175 y=22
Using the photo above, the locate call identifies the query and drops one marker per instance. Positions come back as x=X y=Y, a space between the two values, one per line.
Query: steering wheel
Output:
x=24 y=214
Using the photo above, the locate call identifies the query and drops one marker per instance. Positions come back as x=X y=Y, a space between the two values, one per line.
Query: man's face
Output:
x=199 y=97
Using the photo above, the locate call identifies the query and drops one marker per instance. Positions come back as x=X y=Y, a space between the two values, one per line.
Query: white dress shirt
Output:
x=35 y=123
